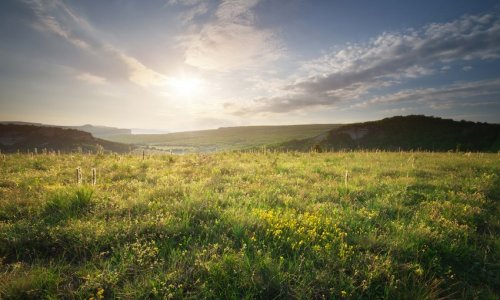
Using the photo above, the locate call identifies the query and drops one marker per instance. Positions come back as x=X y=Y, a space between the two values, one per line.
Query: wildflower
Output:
x=100 y=293
x=419 y=271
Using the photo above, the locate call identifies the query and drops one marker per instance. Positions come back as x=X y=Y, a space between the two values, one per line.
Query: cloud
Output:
x=46 y=21
x=90 y=78
x=445 y=68
x=463 y=94
x=57 y=17
x=231 y=41
x=194 y=12
x=236 y=11
x=294 y=101
x=354 y=70
x=184 y=2
x=195 y=8
x=140 y=74
x=410 y=53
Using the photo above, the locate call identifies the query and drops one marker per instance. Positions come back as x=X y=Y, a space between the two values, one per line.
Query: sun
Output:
x=184 y=86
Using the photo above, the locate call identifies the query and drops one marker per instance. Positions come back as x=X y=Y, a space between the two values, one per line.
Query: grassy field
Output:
x=226 y=138
x=243 y=225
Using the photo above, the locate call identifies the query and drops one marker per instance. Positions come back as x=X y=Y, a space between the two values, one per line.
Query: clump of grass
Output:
x=67 y=204
x=21 y=282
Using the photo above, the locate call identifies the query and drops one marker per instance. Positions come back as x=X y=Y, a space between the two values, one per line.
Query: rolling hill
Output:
x=96 y=131
x=27 y=137
x=101 y=131
x=413 y=132
x=225 y=138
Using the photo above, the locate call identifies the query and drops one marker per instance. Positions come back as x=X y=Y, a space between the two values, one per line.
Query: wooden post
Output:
x=94 y=176
x=346 y=177
x=143 y=154
x=78 y=175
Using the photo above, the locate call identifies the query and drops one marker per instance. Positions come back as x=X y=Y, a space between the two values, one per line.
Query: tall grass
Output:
x=251 y=225
x=67 y=204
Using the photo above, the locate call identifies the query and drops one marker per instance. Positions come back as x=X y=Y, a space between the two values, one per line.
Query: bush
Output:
x=317 y=148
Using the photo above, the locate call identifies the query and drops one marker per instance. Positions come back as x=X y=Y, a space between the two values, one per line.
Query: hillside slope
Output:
x=225 y=137
x=101 y=131
x=96 y=131
x=413 y=132
x=27 y=137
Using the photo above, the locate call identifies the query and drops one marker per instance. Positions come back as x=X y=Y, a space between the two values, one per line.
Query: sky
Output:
x=192 y=64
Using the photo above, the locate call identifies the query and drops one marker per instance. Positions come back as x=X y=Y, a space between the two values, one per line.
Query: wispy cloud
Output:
x=91 y=78
x=411 y=53
x=191 y=9
x=47 y=21
x=139 y=73
x=351 y=72
x=231 y=41
x=58 y=18
x=194 y=12
x=462 y=93
x=185 y=2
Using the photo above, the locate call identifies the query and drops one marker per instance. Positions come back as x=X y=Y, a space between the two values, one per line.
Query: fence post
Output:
x=346 y=177
x=94 y=176
x=78 y=175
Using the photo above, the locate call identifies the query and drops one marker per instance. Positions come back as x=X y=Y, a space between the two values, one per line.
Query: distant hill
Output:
x=406 y=133
x=23 y=137
x=101 y=131
x=148 y=131
x=97 y=131
x=225 y=137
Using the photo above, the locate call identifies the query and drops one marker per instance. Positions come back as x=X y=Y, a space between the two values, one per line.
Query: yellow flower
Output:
x=100 y=293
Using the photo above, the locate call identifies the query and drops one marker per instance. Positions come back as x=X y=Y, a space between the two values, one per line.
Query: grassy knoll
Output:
x=242 y=225
x=225 y=138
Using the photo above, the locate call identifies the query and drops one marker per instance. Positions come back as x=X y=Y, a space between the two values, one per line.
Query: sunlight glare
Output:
x=185 y=86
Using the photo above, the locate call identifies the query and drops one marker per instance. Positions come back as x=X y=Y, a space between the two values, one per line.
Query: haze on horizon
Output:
x=193 y=64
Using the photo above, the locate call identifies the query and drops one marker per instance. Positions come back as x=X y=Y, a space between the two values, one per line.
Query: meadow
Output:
x=224 y=138
x=233 y=225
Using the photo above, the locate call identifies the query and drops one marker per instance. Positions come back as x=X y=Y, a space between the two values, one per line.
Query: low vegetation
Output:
x=414 y=132
x=408 y=225
x=42 y=139
x=225 y=138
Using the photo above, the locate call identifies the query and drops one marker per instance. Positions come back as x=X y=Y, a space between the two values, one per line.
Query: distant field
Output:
x=242 y=225
x=225 y=138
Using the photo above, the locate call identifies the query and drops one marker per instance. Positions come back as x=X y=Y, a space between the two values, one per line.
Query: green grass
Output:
x=226 y=138
x=242 y=225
